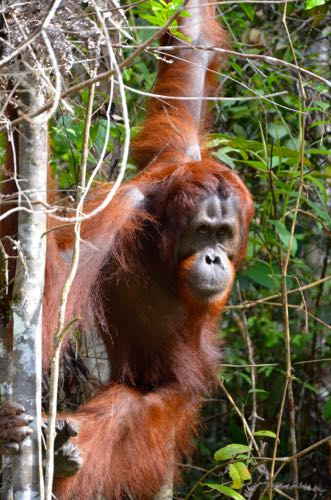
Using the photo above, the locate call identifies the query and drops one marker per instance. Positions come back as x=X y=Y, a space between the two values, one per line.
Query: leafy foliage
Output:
x=158 y=12
x=230 y=451
x=225 y=490
x=310 y=4
x=274 y=131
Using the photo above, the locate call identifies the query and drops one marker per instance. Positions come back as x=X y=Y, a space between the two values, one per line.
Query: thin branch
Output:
x=43 y=26
x=285 y=460
x=241 y=55
x=57 y=93
x=205 y=98
x=75 y=258
x=253 y=303
x=242 y=323
x=287 y=333
x=242 y=417
x=61 y=329
x=106 y=74
x=322 y=360
x=255 y=365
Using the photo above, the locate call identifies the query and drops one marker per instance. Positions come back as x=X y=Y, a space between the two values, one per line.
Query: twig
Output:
x=205 y=98
x=75 y=258
x=253 y=303
x=305 y=451
x=300 y=308
x=261 y=57
x=62 y=329
x=202 y=478
x=258 y=365
x=322 y=360
x=285 y=264
x=57 y=93
x=249 y=346
x=43 y=26
x=106 y=74
x=318 y=219
x=242 y=417
x=285 y=460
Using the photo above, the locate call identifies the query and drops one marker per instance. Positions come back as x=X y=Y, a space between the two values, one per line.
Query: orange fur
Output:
x=129 y=445
x=162 y=343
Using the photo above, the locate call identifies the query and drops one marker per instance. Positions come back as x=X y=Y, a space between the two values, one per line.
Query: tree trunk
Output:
x=28 y=292
x=5 y=393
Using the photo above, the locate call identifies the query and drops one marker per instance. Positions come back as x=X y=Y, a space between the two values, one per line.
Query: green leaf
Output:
x=230 y=451
x=285 y=235
x=321 y=187
x=222 y=155
x=226 y=490
x=218 y=139
x=151 y=19
x=327 y=410
x=258 y=165
x=277 y=131
x=235 y=476
x=158 y=12
x=258 y=391
x=249 y=10
x=310 y=4
x=184 y=13
x=269 y=434
x=239 y=473
x=317 y=123
x=322 y=214
x=261 y=272
x=318 y=151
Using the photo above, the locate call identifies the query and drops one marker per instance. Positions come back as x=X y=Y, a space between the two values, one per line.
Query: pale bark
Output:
x=28 y=292
x=5 y=365
x=5 y=392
